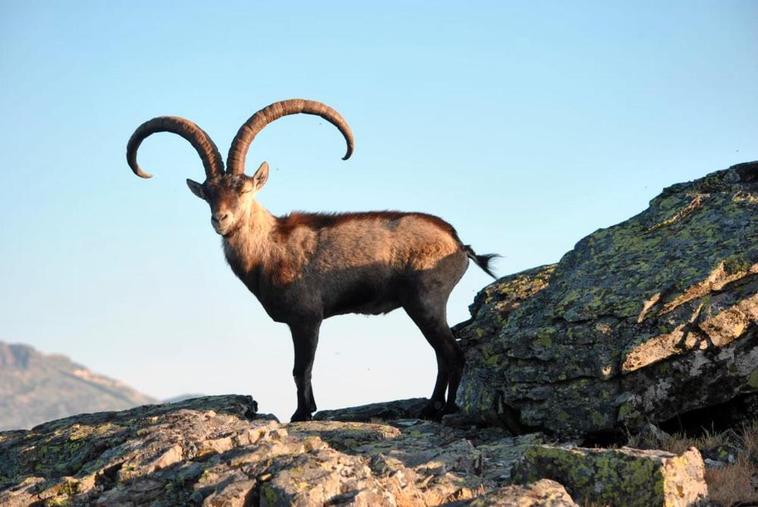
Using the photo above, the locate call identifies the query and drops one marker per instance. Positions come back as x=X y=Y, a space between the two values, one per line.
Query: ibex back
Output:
x=305 y=267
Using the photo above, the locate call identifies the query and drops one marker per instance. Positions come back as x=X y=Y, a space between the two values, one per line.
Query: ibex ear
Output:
x=261 y=176
x=196 y=188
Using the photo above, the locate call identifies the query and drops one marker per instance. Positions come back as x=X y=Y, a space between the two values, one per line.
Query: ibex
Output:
x=306 y=267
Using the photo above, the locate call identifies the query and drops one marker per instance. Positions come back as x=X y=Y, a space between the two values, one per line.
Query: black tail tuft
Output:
x=483 y=261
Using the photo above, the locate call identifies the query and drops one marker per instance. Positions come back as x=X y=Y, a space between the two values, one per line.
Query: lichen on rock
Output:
x=619 y=477
x=542 y=493
x=218 y=451
x=640 y=322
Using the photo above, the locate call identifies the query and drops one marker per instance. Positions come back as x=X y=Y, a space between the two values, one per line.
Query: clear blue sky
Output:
x=526 y=125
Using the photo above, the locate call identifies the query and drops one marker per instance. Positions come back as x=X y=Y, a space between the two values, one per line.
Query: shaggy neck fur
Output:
x=250 y=245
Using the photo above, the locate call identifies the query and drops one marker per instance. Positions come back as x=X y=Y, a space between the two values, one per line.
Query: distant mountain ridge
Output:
x=37 y=387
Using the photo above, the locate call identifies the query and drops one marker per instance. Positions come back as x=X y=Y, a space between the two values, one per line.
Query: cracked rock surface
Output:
x=642 y=321
x=218 y=451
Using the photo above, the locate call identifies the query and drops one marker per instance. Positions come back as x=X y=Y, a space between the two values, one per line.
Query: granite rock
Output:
x=639 y=323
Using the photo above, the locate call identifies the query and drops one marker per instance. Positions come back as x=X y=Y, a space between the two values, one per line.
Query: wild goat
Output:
x=306 y=267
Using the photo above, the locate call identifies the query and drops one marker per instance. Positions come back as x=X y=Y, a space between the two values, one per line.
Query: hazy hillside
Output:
x=36 y=387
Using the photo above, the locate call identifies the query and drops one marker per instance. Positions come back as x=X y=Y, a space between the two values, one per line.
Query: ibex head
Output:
x=230 y=193
x=229 y=196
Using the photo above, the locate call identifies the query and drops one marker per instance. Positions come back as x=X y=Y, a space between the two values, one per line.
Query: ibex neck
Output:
x=249 y=246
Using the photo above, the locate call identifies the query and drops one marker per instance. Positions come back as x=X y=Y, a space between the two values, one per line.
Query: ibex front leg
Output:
x=305 y=339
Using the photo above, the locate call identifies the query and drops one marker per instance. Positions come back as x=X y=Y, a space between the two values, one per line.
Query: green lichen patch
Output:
x=618 y=477
x=158 y=456
x=631 y=304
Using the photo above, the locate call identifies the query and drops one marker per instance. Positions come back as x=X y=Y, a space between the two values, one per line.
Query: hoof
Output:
x=433 y=411
x=451 y=409
x=301 y=416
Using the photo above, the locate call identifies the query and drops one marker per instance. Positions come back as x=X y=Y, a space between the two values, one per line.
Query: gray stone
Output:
x=385 y=411
x=218 y=451
x=543 y=493
x=619 y=477
x=640 y=322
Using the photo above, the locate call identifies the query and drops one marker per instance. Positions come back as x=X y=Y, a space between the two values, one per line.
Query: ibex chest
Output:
x=281 y=302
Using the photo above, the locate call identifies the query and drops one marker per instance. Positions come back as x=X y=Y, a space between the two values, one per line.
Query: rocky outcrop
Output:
x=217 y=451
x=642 y=321
x=37 y=387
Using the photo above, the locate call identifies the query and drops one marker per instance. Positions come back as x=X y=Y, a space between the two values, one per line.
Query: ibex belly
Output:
x=364 y=295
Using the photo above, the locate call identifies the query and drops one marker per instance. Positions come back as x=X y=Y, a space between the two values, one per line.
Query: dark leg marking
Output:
x=305 y=340
x=430 y=319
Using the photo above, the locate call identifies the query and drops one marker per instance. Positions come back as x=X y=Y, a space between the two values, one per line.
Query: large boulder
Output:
x=640 y=322
x=619 y=477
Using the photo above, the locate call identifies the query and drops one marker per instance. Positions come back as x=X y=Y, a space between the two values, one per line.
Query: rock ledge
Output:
x=217 y=451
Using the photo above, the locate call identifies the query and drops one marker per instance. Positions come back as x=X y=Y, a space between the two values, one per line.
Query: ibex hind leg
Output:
x=431 y=320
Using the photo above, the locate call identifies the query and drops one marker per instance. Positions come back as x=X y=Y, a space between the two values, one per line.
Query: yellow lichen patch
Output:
x=626 y=476
x=745 y=197
x=80 y=431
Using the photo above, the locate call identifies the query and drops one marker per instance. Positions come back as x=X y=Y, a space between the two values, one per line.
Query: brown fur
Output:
x=306 y=267
x=315 y=221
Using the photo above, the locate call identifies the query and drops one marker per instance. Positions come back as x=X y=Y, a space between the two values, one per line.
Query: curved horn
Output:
x=247 y=132
x=200 y=140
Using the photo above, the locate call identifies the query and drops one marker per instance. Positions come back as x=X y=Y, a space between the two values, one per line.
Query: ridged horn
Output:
x=198 y=138
x=247 y=132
